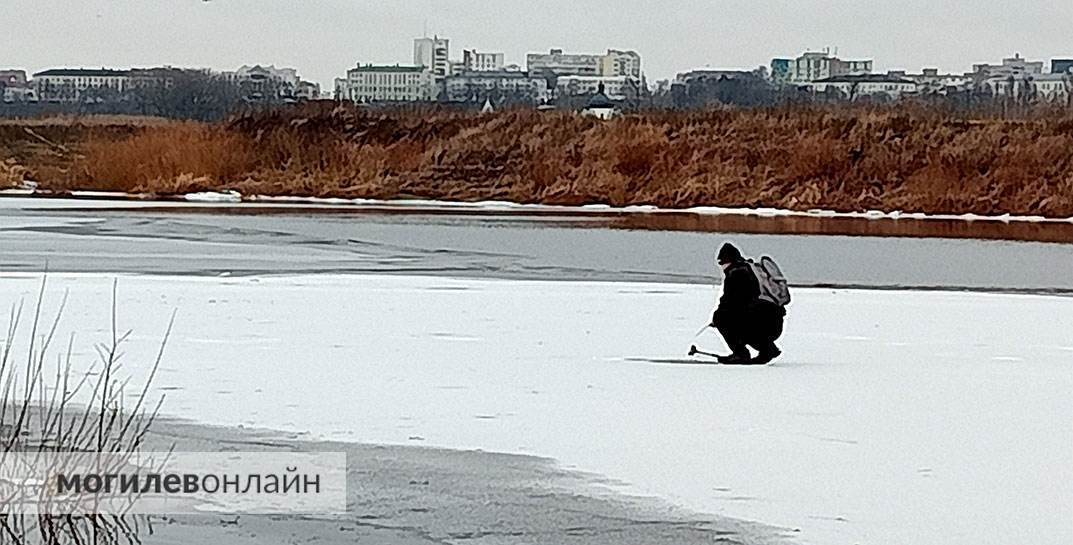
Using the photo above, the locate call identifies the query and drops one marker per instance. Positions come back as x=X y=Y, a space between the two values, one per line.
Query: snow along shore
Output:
x=233 y=198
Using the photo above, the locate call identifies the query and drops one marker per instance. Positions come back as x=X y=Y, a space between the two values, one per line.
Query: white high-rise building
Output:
x=1015 y=66
x=613 y=64
x=558 y=63
x=482 y=84
x=372 y=83
x=621 y=63
x=1013 y=78
x=433 y=54
x=71 y=84
x=817 y=65
x=475 y=61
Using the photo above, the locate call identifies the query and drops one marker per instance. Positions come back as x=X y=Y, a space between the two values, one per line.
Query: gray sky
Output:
x=322 y=38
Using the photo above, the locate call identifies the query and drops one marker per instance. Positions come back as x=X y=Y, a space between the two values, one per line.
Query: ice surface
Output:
x=892 y=417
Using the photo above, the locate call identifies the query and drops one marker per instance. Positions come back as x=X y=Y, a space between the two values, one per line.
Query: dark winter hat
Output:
x=728 y=254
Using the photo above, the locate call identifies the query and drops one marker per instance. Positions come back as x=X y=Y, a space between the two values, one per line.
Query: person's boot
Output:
x=737 y=358
x=765 y=356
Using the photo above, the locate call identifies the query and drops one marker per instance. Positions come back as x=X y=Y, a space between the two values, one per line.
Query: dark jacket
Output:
x=743 y=318
x=741 y=289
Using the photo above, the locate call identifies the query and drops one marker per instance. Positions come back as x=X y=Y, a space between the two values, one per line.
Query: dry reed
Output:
x=902 y=157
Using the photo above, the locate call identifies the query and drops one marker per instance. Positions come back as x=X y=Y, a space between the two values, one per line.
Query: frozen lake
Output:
x=893 y=417
x=518 y=245
x=904 y=413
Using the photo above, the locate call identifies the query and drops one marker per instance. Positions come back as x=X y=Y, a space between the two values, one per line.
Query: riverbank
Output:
x=842 y=159
x=700 y=219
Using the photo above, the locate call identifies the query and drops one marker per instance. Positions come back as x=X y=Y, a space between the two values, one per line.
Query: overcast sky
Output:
x=322 y=38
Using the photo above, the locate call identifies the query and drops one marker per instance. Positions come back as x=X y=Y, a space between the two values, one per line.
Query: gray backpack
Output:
x=773 y=285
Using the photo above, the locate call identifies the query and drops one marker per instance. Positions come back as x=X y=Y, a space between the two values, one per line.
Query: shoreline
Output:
x=696 y=219
x=917 y=159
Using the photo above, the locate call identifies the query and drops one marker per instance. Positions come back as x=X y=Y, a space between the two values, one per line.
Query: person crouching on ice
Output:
x=743 y=318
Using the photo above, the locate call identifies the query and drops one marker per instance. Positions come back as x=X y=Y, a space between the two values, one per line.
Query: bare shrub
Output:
x=52 y=410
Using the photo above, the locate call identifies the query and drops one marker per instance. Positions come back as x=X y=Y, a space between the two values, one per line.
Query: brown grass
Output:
x=12 y=174
x=160 y=160
x=92 y=120
x=908 y=158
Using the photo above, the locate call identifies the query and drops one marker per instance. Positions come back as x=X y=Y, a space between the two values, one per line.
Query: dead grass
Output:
x=175 y=159
x=11 y=174
x=92 y=120
x=909 y=158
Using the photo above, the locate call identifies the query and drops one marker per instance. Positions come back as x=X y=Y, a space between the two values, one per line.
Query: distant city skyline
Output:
x=323 y=39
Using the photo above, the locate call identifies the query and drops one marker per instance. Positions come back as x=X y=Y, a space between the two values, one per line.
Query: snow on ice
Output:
x=892 y=417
